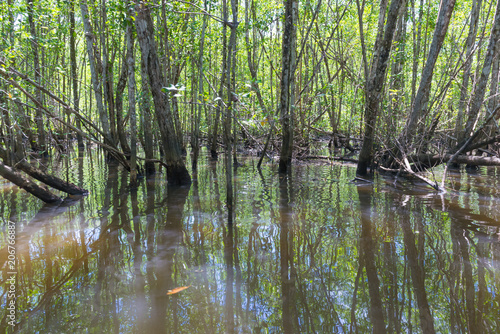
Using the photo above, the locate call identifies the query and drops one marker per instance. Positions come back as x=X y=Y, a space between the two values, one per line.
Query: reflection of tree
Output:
x=140 y=303
x=417 y=277
x=228 y=259
x=162 y=264
x=462 y=263
x=287 y=274
x=390 y=270
x=292 y=262
x=367 y=257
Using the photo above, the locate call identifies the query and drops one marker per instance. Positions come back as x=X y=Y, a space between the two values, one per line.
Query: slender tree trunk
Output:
x=420 y=105
x=120 y=88
x=380 y=34
x=177 y=173
x=375 y=85
x=195 y=144
x=42 y=145
x=417 y=41
x=361 y=9
x=131 y=104
x=107 y=74
x=493 y=102
x=252 y=64
x=74 y=76
x=149 y=166
x=215 y=130
x=464 y=89
x=397 y=74
x=287 y=95
x=95 y=69
x=231 y=85
x=24 y=122
x=177 y=123
x=478 y=97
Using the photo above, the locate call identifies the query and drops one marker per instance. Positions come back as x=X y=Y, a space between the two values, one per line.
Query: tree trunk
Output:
x=177 y=173
x=195 y=142
x=107 y=74
x=230 y=87
x=493 y=102
x=419 y=109
x=24 y=122
x=397 y=82
x=120 y=87
x=375 y=85
x=94 y=73
x=287 y=94
x=42 y=145
x=215 y=129
x=49 y=180
x=149 y=166
x=471 y=160
x=131 y=104
x=464 y=89
x=417 y=40
x=74 y=75
x=478 y=97
x=40 y=192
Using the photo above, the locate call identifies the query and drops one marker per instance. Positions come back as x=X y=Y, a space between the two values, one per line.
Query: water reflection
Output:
x=309 y=252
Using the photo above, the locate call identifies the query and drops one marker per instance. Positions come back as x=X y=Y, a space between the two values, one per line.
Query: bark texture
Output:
x=375 y=84
x=177 y=173
x=95 y=69
x=420 y=104
x=287 y=95
x=480 y=91
x=39 y=191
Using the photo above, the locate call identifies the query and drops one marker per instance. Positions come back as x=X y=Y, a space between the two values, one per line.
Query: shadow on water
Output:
x=309 y=252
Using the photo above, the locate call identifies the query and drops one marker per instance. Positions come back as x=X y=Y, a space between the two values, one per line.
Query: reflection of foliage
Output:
x=93 y=266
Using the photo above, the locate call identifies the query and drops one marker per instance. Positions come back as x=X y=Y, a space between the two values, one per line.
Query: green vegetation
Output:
x=411 y=84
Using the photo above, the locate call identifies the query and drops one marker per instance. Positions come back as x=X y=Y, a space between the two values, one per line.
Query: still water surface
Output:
x=310 y=253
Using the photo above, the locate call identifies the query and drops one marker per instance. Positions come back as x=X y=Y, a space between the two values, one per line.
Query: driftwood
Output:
x=39 y=191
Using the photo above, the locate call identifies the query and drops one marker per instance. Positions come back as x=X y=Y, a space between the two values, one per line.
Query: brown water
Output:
x=311 y=253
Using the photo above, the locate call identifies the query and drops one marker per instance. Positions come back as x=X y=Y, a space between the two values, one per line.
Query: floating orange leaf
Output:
x=177 y=290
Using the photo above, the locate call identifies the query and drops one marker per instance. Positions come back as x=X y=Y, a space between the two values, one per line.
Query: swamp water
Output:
x=312 y=253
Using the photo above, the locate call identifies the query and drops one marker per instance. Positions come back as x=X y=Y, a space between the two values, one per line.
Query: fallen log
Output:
x=493 y=140
x=326 y=157
x=434 y=160
x=50 y=180
x=39 y=191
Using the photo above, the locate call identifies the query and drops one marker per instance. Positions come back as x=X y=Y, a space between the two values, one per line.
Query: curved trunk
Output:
x=120 y=88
